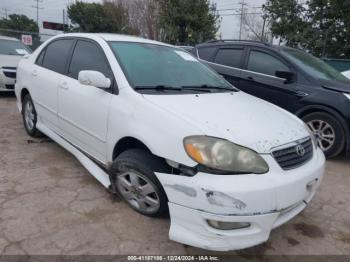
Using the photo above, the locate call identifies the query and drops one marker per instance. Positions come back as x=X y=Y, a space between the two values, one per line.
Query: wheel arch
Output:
x=127 y=143
x=24 y=92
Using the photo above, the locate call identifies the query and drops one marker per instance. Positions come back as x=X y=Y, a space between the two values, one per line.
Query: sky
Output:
x=53 y=11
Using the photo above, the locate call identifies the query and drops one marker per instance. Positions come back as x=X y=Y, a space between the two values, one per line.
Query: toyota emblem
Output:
x=300 y=150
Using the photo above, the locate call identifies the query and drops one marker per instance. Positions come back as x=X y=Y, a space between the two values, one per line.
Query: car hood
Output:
x=237 y=117
x=9 y=60
x=336 y=86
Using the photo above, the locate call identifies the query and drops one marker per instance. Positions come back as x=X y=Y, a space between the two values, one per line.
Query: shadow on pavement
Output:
x=7 y=94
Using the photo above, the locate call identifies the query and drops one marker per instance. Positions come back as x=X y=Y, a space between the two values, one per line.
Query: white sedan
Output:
x=169 y=135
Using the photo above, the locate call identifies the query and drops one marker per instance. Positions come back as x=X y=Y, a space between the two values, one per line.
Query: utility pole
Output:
x=64 y=18
x=37 y=9
x=263 y=29
x=243 y=4
x=5 y=11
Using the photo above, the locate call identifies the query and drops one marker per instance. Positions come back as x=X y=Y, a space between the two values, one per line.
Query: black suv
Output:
x=291 y=79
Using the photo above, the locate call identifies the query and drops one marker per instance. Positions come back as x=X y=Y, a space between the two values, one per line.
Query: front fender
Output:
x=162 y=132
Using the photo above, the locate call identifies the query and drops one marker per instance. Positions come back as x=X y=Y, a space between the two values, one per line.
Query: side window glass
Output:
x=206 y=53
x=265 y=64
x=56 y=55
x=229 y=57
x=88 y=56
x=39 y=60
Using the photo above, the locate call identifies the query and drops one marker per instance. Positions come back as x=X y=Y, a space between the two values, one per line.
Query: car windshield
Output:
x=11 y=47
x=314 y=66
x=151 y=65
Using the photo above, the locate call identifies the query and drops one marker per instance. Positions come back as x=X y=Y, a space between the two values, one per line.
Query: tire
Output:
x=30 y=117
x=136 y=183
x=328 y=131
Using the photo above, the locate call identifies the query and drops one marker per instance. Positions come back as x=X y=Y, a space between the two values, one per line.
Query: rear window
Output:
x=11 y=47
x=229 y=57
x=206 y=53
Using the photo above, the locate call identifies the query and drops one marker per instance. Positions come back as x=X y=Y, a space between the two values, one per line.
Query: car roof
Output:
x=234 y=42
x=113 y=37
x=2 y=37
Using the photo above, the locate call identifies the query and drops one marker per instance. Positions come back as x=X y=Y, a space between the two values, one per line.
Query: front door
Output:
x=259 y=79
x=83 y=109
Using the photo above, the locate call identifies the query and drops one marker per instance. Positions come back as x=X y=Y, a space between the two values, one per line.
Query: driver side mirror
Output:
x=288 y=76
x=94 y=78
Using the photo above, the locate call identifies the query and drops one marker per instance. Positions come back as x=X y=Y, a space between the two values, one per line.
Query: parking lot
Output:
x=51 y=205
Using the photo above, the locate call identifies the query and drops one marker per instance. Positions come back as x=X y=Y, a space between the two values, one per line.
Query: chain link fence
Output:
x=37 y=38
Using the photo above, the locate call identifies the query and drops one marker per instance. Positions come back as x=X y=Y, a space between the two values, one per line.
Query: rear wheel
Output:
x=30 y=117
x=328 y=131
x=138 y=185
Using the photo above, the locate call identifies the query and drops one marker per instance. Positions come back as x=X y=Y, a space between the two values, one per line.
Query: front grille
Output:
x=10 y=74
x=294 y=156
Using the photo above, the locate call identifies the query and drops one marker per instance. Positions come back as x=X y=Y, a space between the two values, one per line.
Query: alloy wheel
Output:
x=138 y=191
x=323 y=132
x=29 y=115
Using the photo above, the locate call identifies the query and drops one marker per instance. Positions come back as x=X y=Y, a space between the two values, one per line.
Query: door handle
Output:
x=34 y=73
x=250 y=78
x=64 y=85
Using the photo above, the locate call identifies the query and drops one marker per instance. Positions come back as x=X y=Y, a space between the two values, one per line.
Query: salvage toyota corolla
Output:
x=169 y=135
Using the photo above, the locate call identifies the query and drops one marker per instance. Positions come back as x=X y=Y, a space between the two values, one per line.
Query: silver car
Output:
x=11 y=51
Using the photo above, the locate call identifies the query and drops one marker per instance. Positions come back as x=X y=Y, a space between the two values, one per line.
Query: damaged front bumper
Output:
x=264 y=201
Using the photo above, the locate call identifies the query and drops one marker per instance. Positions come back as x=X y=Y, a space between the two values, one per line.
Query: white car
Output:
x=347 y=74
x=11 y=51
x=166 y=133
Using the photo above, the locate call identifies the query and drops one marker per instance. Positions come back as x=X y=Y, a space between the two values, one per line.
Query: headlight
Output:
x=347 y=95
x=223 y=155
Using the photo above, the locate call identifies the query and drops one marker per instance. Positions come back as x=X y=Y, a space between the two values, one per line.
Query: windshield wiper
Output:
x=208 y=88
x=158 y=88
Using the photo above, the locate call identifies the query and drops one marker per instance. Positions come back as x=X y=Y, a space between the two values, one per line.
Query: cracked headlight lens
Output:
x=220 y=154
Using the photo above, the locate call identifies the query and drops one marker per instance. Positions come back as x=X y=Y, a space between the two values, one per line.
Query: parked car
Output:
x=291 y=79
x=165 y=132
x=347 y=74
x=11 y=51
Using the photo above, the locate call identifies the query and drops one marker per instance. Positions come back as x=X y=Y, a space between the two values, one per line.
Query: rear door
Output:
x=45 y=76
x=259 y=79
x=83 y=110
x=227 y=61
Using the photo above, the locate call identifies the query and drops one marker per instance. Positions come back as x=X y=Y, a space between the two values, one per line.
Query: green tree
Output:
x=18 y=23
x=94 y=17
x=319 y=26
x=186 y=22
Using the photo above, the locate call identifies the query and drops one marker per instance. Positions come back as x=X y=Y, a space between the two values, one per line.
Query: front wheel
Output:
x=328 y=131
x=138 y=185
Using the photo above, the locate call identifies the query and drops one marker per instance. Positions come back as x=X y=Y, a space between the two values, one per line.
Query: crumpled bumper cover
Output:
x=265 y=201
